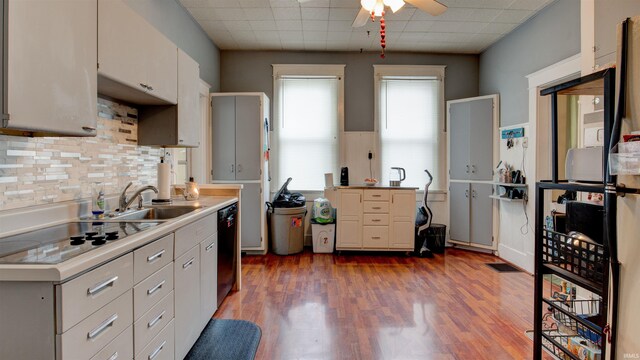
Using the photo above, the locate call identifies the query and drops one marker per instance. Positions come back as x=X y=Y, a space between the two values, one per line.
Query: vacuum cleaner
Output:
x=423 y=222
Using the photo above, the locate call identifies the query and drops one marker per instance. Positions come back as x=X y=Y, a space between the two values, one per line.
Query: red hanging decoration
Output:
x=383 y=42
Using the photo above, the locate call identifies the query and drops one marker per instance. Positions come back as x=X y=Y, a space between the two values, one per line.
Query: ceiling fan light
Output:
x=378 y=8
x=395 y=5
x=368 y=4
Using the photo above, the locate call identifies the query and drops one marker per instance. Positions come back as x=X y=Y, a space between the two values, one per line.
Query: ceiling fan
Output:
x=376 y=8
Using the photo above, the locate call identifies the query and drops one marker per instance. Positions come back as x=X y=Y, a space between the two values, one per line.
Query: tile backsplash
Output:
x=52 y=169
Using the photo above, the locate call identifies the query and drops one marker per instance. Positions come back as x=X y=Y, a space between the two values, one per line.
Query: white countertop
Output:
x=79 y=264
x=377 y=186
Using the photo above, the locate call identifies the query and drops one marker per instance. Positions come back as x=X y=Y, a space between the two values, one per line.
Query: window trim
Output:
x=280 y=70
x=437 y=71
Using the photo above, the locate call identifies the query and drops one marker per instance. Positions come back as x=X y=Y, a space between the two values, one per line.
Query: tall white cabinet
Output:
x=473 y=152
x=239 y=141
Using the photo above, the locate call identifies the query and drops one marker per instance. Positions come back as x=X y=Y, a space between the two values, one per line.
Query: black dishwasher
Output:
x=227 y=250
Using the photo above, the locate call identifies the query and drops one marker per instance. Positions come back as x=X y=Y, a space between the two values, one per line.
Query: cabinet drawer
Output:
x=376 y=207
x=152 y=257
x=151 y=290
x=95 y=332
x=194 y=233
x=120 y=348
x=82 y=296
x=376 y=195
x=160 y=347
x=150 y=324
x=375 y=237
x=376 y=219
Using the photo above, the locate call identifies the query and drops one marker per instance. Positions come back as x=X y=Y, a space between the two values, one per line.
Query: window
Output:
x=410 y=124
x=308 y=119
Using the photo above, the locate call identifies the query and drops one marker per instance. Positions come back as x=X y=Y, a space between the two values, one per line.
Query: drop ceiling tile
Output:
x=286 y=13
x=241 y=25
x=352 y=4
x=195 y=3
x=338 y=36
x=222 y=3
x=497 y=28
x=255 y=3
x=458 y=27
x=534 y=5
x=213 y=26
x=206 y=14
x=314 y=36
x=263 y=25
x=316 y=3
x=484 y=15
x=267 y=35
x=289 y=25
x=244 y=35
x=284 y=3
x=513 y=16
x=258 y=14
x=342 y=14
x=419 y=26
x=340 y=26
x=315 y=13
x=393 y=26
x=315 y=45
x=452 y=14
x=293 y=45
x=411 y=37
x=291 y=36
x=231 y=14
x=315 y=25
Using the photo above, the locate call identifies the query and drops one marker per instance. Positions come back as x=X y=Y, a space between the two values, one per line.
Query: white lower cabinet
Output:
x=403 y=216
x=160 y=347
x=208 y=278
x=187 y=301
x=152 y=322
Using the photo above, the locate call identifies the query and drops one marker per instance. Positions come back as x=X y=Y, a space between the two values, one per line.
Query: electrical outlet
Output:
x=525 y=142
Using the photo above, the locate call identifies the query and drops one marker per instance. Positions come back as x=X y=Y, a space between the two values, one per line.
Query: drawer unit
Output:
x=82 y=296
x=151 y=323
x=152 y=289
x=376 y=207
x=152 y=257
x=160 y=347
x=119 y=348
x=376 y=219
x=374 y=237
x=96 y=331
x=376 y=195
x=194 y=233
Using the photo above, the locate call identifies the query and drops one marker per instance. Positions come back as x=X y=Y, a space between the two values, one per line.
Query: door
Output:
x=208 y=278
x=459 y=133
x=481 y=139
x=248 y=146
x=187 y=300
x=402 y=212
x=459 y=214
x=253 y=210
x=350 y=219
x=223 y=137
x=481 y=214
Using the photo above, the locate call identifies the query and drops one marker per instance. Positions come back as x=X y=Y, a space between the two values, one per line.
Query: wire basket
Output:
x=589 y=311
x=580 y=257
x=556 y=343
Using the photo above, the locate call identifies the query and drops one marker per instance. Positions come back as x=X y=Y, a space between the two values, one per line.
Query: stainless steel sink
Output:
x=164 y=212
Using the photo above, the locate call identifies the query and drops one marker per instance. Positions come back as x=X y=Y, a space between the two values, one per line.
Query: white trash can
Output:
x=324 y=237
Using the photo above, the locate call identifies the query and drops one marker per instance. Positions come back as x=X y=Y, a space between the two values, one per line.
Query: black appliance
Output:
x=586 y=218
x=344 y=176
x=227 y=249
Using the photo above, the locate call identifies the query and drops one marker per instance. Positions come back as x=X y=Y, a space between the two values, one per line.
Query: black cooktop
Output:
x=55 y=244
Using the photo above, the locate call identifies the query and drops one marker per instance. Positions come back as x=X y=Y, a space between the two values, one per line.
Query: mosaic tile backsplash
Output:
x=52 y=169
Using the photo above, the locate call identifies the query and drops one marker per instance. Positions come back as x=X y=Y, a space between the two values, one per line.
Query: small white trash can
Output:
x=324 y=237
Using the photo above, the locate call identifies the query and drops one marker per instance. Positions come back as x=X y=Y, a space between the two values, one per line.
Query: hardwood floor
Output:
x=380 y=306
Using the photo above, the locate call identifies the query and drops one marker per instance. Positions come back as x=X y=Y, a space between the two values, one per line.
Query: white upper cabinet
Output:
x=51 y=67
x=136 y=62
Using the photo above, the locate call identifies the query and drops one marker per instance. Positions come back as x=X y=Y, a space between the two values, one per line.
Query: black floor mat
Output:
x=503 y=267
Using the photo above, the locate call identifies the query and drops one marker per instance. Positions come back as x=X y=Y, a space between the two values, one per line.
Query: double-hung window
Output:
x=410 y=122
x=308 y=118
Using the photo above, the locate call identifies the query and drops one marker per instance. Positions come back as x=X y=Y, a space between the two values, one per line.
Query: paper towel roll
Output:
x=164 y=181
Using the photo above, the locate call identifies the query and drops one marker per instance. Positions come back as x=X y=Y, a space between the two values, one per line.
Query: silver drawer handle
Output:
x=102 y=286
x=188 y=263
x=376 y=195
x=376 y=208
x=88 y=128
x=144 y=85
x=209 y=247
x=157 y=351
x=155 y=320
x=150 y=87
x=156 y=288
x=102 y=327
x=375 y=237
x=114 y=356
x=375 y=220
x=156 y=255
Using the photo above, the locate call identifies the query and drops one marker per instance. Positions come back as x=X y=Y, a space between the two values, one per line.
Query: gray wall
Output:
x=608 y=14
x=550 y=36
x=252 y=71
x=171 y=19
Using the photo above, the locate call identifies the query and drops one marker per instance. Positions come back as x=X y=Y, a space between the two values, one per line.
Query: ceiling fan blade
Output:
x=361 y=19
x=429 y=6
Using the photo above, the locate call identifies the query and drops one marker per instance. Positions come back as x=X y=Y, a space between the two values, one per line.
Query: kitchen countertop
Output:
x=91 y=259
x=379 y=187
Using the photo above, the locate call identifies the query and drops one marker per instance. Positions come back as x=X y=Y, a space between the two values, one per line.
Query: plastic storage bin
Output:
x=287 y=230
x=324 y=237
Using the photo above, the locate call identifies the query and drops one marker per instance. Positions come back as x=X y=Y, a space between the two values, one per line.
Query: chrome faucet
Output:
x=124 y=203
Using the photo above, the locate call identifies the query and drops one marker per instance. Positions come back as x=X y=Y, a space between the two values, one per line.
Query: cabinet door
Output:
x=161 y=61
x=189 y=127
x=120 y=44
x=481 y=214
x=402 y=214
x=223 y=137
x=459 y=131
x=253 y=209
x=350 y=219
x=208 y=278
x=248 y=147
x=350 y=203
x=459 y=212
x=51 y=70
x=481 y=139
x=187 y=301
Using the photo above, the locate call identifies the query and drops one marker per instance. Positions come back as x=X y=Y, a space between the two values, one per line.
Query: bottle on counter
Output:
x=191 y=190
x=98 y=201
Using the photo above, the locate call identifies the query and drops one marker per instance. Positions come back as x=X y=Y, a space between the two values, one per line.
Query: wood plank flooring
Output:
x=382 y=306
